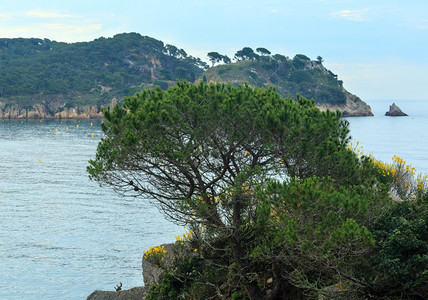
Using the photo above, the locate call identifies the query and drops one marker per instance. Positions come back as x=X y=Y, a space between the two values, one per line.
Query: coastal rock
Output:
x=137 y=293
x=9 y=112
x=53 y=108
x=151 y=273
x=339 y=291
x=353 y=107
x=89 y=112
x=395 y=111
x=39 y=111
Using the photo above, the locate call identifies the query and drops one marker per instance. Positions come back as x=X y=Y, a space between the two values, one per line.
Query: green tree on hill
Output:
x=263 y=51
x=214 y=57
x=245 y=54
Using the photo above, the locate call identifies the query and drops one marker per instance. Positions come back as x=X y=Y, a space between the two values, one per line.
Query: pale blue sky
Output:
x=379 y=48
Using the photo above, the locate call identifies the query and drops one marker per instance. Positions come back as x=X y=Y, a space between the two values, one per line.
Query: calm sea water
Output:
x=62 y=236
x=406 y=137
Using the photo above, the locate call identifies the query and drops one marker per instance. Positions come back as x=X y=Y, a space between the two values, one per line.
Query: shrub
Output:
x=400 y=262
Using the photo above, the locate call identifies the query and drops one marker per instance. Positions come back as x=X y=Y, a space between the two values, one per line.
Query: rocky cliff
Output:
x=353 y=107
x=44 y=111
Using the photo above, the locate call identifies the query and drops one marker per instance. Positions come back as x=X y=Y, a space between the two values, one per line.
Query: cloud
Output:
x=5 y=17
x=12 y=32
x=417 y=23
x=55 y=31
x=47 y=15
x=352 y=15
x=67 y=28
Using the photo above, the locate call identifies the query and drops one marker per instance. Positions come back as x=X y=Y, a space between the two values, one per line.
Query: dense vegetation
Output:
x=278 y=204
x=92 y=73
x=103 y=68
x=299 y=75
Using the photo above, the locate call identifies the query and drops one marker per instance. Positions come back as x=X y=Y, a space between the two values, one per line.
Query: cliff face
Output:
x=353 y=107
x=42 y=111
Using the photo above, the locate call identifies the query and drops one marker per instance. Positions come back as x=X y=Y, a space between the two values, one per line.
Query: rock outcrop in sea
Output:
x=395 y=111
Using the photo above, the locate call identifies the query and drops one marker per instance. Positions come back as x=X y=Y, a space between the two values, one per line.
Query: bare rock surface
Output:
x=152 y=274
x=395 y=111
x=353 y=107
x=137 y=293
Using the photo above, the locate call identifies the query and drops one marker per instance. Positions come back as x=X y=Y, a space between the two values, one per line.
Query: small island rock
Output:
x=395 y=111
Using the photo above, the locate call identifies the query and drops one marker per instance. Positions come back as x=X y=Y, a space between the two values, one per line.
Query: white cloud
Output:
x=13 y=31
x=417 y=23
x=352 y=15
x=5 y=17
x=61 y=32
x=67 y=28
x=47 y=15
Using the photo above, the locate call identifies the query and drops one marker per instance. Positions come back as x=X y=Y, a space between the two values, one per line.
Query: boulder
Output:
x=137 y=293
x=152 y=274
x=395 y=111
x=339 y=292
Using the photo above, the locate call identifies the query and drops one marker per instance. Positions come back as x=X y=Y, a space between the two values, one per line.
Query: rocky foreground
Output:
x=153 y=274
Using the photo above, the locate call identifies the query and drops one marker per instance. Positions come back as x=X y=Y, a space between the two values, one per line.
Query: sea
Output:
x=63 y=236
x=384 y=137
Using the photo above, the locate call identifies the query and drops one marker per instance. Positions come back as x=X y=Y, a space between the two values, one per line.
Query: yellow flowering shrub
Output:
x=180 y=239
x=155 y=255
x=406 y=182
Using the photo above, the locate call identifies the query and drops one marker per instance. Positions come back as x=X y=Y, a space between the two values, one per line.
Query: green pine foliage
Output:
x=400 y=262
x=315 y=232
x=277 y=203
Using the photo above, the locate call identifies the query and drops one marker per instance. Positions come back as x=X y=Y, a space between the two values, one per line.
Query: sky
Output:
x=379 y=48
